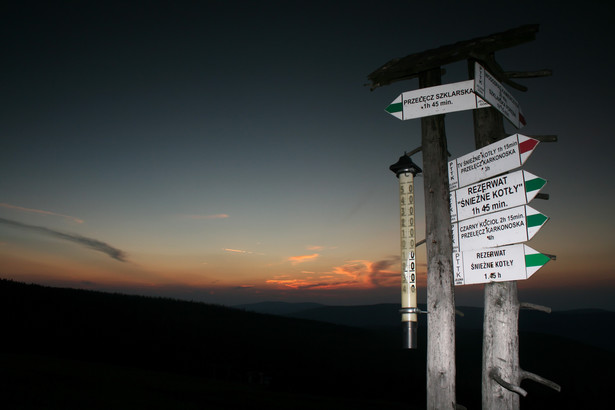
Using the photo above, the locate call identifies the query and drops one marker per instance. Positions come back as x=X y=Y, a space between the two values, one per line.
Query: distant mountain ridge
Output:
x=278 y=308
x=356 y=367
x=595 y=327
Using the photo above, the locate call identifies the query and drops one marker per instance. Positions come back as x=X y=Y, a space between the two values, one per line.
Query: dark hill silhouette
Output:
x=300 y=358
x=594 y=327
x=278 y=308
x=67 y=348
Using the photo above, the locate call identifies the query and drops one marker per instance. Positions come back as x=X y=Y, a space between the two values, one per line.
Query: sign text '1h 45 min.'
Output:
x=495 y=194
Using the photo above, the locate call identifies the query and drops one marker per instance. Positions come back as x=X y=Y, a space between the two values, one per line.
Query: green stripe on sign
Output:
x=534 y=184
x=536 y=220
x=395 y=107
x=535 y=259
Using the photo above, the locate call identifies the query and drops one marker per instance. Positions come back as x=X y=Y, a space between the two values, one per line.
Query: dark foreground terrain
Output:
x=74 y=349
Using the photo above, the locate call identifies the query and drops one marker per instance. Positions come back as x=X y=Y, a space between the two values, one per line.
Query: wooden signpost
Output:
x=500 y=264
x=505 y=227
x=493 y=159
x=436 y=100
x=501 y=371
x=496 y=194
x=491 y=90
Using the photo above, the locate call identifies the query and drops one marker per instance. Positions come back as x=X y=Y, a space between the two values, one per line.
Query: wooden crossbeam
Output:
x=408 y=67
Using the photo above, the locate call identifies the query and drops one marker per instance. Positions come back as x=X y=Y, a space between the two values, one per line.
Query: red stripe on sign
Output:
x=522 y=119
x=527 y=145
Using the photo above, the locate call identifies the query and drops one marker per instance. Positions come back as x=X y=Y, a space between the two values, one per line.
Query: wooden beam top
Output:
x=410 y=66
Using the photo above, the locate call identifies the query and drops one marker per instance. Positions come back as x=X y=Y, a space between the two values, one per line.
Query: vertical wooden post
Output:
x=500 y=348
x=440 y=286
x=500 y=326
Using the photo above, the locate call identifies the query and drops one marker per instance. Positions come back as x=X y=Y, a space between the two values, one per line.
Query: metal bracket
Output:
x=411 y=311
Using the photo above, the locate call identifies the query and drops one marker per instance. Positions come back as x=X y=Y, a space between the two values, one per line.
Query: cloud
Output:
x=371 y=274
x=307 y=284
x=235 y=250
x=380 y=273
x=214 y=216
x=39 y=211
x=302 y=258
x=317 y=248
x=90 y=243
x=355 y=274
x=242 y=251
x=352 y=269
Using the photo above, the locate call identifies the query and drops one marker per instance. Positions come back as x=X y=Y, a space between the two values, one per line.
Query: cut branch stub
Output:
x=531 y=376
x=529 y=74
x=544 y=138
x=542 y=196
x=494 y=68
x=495 y=375
x=533 y=306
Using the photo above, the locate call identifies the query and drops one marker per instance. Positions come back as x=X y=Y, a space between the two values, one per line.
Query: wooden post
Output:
x=500 y=326
x=501 y=304
x=441 y=369
x=500 y=346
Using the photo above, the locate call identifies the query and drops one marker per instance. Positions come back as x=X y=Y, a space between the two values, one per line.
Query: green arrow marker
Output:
x=536 y=259
x=534 y=184
x=395 y=107
x=535 y=220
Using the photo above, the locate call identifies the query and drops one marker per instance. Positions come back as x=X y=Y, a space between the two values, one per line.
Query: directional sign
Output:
x=501 y=156
x=514 y=225
x=495 y=194
x=495 y=94
x=505 y=263
x=436 y=100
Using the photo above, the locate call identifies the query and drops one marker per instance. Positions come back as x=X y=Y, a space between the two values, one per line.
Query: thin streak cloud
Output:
x=214 y=216
x=40 y=211
x=241 y=251
x=302 y=258
x=90 y=243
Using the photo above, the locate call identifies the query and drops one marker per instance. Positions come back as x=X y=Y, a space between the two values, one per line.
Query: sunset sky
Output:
x=230 y=152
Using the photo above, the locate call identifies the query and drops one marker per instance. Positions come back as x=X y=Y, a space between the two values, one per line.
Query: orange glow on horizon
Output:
x=306 y=284
x=232 y=271
x=356 y=274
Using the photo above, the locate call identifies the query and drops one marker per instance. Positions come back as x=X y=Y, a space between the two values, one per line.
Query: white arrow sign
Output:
x=436 y=100
x=506 y=263
x=495 y=194
x=514 y=225
x=495 y=94
x=501 y=156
